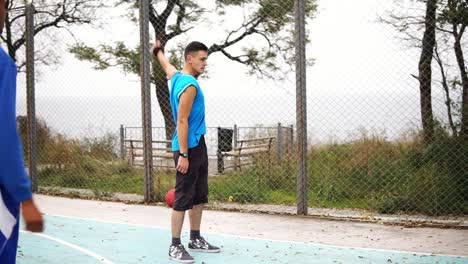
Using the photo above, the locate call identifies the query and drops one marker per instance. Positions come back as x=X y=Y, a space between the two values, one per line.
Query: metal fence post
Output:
x=146 y=100
x=122 y=142
x=30 y=91
x=279 y=142
x=219 y=157
x=235 y=136
x=301 y=118
x=291 y=138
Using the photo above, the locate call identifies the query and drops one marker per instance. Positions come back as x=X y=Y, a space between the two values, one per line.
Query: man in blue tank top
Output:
x=188 y=144
x=15 y=186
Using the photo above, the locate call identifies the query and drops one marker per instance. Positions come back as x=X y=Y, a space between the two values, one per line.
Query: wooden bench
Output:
x=134 y=149
x=248 y=148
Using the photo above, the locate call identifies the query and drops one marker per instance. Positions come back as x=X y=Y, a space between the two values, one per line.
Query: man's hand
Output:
x=182 y=165
x=32 y=217
x=156 y=46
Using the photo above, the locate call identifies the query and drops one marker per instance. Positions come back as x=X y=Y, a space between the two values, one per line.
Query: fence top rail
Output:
x=154 y=141
x=255 y=139
x=139 y=127
x=141 y=148
x=258 y=147
x=215 y=127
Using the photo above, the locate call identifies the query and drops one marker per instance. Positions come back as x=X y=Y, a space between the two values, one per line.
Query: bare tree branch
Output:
x=448 y=100
x=248 y=31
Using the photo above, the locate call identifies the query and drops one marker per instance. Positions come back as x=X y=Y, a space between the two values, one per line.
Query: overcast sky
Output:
x=345 y=38
x=356 y=58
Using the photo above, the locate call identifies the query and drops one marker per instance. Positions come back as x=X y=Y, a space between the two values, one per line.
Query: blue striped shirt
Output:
x=13 y=178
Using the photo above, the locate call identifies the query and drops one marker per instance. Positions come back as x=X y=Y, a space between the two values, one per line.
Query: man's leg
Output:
x=195 y=216
x=177 y=221
x=197 y=242
x=201 y=192
x=183 y=201
x=177 y=251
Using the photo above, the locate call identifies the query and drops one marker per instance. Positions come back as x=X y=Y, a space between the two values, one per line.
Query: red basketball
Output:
x=170 y=196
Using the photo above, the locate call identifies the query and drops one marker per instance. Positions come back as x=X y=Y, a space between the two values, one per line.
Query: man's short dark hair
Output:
x=194 y=46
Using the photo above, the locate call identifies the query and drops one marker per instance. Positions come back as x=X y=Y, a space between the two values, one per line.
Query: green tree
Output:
x=436 y=27
x=43 y=137
x=49 y=17
x=425 y=70
x=271 y=22
x=455 y=16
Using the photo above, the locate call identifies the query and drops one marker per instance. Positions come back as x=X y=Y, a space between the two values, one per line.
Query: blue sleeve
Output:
x=13 y=177
x=184 y=82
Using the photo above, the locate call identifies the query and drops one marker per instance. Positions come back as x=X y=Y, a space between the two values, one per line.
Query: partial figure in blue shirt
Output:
x=188 y=144
x=15 y=186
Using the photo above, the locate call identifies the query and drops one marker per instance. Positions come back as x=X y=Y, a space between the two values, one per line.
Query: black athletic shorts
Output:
x=192 y=187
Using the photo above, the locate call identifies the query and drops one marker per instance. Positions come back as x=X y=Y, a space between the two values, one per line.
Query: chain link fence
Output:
x=386 y=106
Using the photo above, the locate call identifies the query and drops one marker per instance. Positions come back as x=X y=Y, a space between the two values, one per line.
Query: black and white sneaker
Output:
x=201 y=245
x=179 y=254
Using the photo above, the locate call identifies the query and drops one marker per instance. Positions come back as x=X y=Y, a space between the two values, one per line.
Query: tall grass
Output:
x=113 y=177
x=371 y=172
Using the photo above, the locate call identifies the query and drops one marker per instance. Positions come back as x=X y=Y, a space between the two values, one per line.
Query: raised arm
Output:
x=2 y=15
x=158 y=52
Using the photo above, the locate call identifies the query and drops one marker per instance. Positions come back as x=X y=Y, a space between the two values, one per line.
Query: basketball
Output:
x=170 y=196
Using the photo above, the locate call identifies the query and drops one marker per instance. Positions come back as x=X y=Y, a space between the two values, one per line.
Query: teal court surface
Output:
x=77 y=240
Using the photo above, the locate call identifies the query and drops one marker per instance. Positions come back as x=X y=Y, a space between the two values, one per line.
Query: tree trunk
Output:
x=162 y=94
x=464 y=78
x=425 y=72
x=448 y=100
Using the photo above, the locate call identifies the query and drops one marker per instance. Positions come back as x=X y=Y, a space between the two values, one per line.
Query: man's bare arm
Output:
x=185 y=107
x=168 y=68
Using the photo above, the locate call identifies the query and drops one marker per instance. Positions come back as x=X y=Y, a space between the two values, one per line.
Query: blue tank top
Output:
x=196 y=121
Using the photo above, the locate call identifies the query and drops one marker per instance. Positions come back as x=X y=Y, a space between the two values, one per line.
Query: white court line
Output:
x=76 y=247
x=266 y=239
